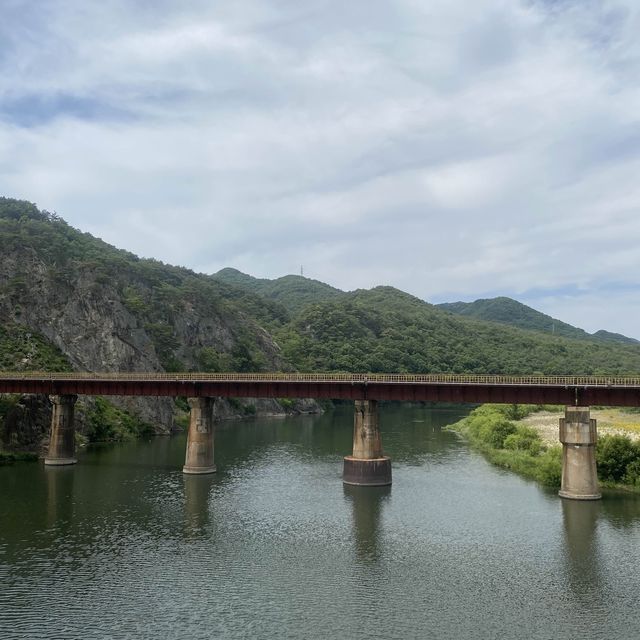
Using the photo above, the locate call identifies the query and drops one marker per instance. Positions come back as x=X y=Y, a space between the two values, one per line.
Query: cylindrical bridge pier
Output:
x=578 y=435
x=62 y=439
x=199 y=456
x=368 y=466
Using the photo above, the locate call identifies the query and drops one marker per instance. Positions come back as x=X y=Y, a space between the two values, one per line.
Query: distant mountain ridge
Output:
x=515 y=314
x=384 y=329
x=291 y=291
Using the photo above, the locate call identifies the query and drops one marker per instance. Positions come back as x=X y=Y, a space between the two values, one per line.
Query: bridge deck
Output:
x=567 y=390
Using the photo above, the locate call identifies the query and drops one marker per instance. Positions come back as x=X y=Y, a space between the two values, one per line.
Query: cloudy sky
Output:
x=453 y=149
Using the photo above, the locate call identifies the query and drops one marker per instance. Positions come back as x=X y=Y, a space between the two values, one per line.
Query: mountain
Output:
x=385 y=329
x=292 y=292
x=513 y=313
x=608 y=336
x=69 y=301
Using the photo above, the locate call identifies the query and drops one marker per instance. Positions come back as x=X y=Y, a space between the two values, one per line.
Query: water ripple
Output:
x=274 y=546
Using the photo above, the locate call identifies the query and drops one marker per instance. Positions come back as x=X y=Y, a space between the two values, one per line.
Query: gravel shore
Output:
x=609 y=421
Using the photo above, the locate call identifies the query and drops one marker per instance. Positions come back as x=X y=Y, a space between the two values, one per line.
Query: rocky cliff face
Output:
x=86 y=321
x=105 y=310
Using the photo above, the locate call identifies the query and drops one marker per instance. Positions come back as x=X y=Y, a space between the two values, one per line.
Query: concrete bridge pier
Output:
x=199 y=457
x=62 y=440
x=578 y=436
x=368 y=466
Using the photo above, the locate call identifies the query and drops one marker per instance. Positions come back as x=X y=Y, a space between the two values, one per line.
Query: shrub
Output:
x=632 y=474
x=517 y=411
x=613 y=455
x=524 y=439
x=550 y=467
x=286 y=403
x=107 y=423
x=495 y=433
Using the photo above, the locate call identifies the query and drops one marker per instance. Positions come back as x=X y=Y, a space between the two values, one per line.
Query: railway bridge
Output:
x=367 y=465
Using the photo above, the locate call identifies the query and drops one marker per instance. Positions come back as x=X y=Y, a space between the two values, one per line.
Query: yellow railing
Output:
x=356 y=378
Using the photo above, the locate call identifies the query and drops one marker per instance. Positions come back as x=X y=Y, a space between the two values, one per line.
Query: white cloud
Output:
x=447 y=148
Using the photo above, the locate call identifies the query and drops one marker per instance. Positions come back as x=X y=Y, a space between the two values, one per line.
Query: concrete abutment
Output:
x=578 y=435
x=367 y=466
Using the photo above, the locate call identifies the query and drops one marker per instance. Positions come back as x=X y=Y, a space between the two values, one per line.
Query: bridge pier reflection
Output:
x=62 y=439
x=199 y=455
x=581 y=548
x=367 y=506
x=60 y=503
x=368 y=466
x=196 y=504
x=578 y=435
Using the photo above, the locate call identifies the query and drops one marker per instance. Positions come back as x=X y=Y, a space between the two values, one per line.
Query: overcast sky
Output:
x=455 y=149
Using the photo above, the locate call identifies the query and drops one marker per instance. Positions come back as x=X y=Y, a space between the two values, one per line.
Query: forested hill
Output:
x=106 y=308
x=513 y=313
x=71 y=301
x=68 y=299
x=293 y=292
x=608 y=336
x=387 y=330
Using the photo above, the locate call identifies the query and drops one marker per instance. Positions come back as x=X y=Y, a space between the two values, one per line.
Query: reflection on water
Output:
x=124 y=545
x=197 y=489
x=620 y=509
x=582 y=552
x=60 y=502
x=367 y=504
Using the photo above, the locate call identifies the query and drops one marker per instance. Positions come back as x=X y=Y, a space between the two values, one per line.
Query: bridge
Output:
x=463 y=388
x=367 y=465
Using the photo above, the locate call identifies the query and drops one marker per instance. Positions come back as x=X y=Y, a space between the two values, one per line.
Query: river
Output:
x=274 y=546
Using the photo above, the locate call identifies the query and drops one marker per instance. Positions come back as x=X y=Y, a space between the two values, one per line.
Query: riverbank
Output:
x=610 y=421
x=524 y=439
x=494 y=431
x=9 y=457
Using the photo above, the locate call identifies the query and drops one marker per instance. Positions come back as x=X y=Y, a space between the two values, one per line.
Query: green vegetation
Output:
x=159 y=296
x=9 y=439
x=287 y=403
x=22 y=456
x=491 y=430
x=107 y=423
x=618 y=460
x=386 y=330
x=22 y=349
x=294 y=293
x=244 y=409
x=513 y=313
x=317 y=327
x=177 y=320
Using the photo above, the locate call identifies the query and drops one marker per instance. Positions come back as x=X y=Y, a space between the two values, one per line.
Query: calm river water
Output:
x=274 y=546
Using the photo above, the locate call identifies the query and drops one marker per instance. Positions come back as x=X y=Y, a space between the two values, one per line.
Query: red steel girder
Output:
x=472 y=393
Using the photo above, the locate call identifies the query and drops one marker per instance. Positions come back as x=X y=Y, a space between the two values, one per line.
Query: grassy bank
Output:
x=508 y=437
x=8 y=458
x=493 y=430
